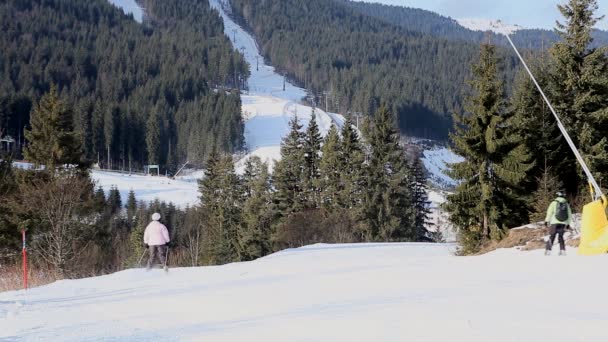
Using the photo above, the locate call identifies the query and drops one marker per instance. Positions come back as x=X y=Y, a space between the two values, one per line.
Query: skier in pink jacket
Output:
x=156 y=237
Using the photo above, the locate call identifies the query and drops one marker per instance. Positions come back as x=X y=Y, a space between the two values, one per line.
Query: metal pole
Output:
x=598 y=191
x=24 y=251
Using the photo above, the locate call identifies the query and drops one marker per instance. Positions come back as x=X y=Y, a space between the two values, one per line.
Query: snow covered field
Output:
x=148 y=188
x=367 y=292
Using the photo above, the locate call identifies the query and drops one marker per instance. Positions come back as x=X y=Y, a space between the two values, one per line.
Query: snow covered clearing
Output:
x=148 y=188
x=130 y=7
x=365 y=292
x=495 y=26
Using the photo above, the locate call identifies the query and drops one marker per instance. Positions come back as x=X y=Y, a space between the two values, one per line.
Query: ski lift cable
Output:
x=598 y=191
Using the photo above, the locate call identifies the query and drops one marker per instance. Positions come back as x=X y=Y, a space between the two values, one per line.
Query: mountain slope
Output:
x=363 y=62
x=428 y=22
x=125 y=81
x=364 y=292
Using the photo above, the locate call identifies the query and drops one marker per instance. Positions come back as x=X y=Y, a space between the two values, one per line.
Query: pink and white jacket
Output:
x=156 y=234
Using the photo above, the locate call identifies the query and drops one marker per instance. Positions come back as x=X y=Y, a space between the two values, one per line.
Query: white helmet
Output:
x=156 y=216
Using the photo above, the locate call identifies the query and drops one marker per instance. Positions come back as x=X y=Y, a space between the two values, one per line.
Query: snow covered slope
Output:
x=495 y=26
x=366 y=292
x=436 y=160
x=267 y=122
x=130 y=7
x=267 y=108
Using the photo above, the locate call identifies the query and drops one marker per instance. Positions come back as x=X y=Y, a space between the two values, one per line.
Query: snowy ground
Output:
x=367 y=292
x=129 y=7
x=436 y=162
x=148 y=188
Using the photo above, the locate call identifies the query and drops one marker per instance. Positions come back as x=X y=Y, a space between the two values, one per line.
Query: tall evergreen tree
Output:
x=536 y=125
x=331 y=169
x=488 y=198
x=99 y=200
x=114 y=201
x=258 y=212
x=131 y=207
x=353 y=174
x=153 y=138
x=52 y=141
x=388 y=200
x=289 y=171
x=221 y=201
x=577 y=86
x=420 y=201
x=312 y=158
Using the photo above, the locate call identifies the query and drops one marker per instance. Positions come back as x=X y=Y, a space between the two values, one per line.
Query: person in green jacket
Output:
x=559 y=218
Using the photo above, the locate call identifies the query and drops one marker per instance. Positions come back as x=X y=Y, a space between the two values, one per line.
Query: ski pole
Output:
x=142 y=257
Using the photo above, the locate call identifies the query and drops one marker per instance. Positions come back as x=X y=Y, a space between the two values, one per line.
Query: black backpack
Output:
x=561 y=211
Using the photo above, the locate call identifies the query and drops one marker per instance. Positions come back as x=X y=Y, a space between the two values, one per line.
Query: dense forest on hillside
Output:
x=419 y=20
x=364 y=62
x=160 y=93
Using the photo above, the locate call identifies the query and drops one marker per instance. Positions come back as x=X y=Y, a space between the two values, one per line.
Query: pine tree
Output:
x=577 y=86
x=289 y=171
x=353 y=174
x=420 y=201
x=52 y=141
x=258 y=213
x=536 y=125
x=99 y=200
x=114 y=201
x=312 y=158
x=131 y=207
x=331 y=169
x=221 y=201
x=388 y=200
x=487 y=199
x=153 y=138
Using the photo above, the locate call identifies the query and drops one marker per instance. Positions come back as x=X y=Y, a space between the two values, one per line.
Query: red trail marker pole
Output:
x=24 y=261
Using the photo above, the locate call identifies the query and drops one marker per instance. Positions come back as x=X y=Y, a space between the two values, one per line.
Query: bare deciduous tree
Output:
x=61 y=209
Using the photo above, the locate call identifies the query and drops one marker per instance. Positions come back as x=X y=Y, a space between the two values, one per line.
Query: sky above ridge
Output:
x=527 y=13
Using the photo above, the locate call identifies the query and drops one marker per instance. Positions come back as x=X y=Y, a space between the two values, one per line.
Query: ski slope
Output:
x=267 y=108
x=366 y=292
x=436 y=160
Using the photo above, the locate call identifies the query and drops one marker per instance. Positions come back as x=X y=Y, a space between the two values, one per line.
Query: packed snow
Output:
x=496 y=26
x=264 y=81
x=149 y=188
x=436 y=162
x=364 y=292
x=130 y=7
